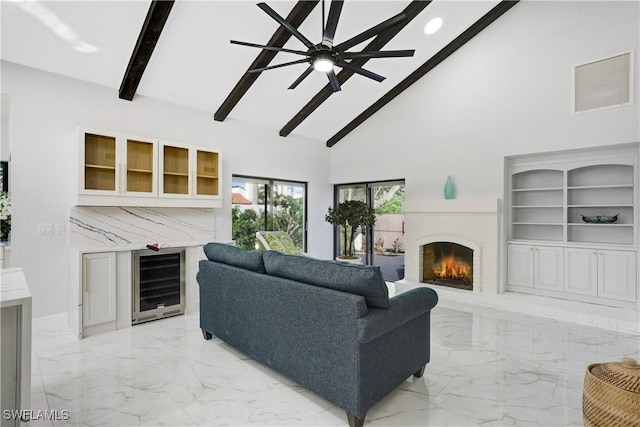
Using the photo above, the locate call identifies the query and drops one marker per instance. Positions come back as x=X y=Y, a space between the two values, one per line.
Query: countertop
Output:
x=13 y=287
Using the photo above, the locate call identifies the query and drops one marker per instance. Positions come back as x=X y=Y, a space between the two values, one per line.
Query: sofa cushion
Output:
x=364 y=280
x=232 y=255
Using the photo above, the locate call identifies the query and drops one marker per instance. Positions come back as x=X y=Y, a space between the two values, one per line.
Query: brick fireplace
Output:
x=469 y=223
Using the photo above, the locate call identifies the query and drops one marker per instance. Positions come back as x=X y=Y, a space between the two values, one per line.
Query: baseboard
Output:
x=58 y=321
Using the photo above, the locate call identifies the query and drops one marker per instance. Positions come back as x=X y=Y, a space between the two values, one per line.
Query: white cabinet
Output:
x=539 y=267
x=617 y=275
x=603 y=273
x=583 y=205
x=98 y=288
x=189 y=172
x=121 y=170
x=15 y=341
x=581 y=274
x=112 y=164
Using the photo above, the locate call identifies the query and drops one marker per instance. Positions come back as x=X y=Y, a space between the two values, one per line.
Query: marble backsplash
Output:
x=117 y=227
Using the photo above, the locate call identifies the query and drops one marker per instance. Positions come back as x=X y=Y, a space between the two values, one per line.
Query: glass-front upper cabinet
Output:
x=140 y=167
x=189 y=171
x=117 y=165
x=98 y=162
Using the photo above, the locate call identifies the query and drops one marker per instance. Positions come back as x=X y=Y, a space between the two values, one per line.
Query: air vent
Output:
x=604 y=83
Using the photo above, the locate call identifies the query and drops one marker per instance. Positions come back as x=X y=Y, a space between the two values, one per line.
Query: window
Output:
x=268 y=204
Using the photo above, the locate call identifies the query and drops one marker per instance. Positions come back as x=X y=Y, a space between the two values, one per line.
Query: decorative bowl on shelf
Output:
x=609 y=219
x=600 y=219
x=591 y=219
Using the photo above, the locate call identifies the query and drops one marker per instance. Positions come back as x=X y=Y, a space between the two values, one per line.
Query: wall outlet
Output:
x=58 y=229
x=45 y=229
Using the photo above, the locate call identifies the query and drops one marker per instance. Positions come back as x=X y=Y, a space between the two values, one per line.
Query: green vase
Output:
x=449 y=189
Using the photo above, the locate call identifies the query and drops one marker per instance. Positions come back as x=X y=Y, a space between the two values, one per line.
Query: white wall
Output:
x=5 y=113
x=45 y=111
x=506 y=92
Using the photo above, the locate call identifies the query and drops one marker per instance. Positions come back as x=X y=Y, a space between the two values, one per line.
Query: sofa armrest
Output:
x=403 y=308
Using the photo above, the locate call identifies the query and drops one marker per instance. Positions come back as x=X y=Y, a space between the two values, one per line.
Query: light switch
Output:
x=59 y=229
x=45 y=228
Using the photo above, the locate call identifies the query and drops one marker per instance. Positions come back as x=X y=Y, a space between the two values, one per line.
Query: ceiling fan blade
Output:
x=373 y=31
x=303 y=76
x=277 y=49
x=335 y=84
x=379 y=54
x=271 y=67
x=332 y=22
x=361 y=71
x=272 y=13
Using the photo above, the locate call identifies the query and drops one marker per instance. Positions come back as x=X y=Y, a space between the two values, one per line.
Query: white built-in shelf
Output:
x=591 y=187
x=551 y=251
x=537 y=223
x=587 y=224
x=537 y=206
x=538 y=189
x=617 y=205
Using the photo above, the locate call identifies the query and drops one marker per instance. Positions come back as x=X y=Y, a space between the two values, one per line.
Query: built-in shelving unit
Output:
x=548 y=198
x=537 y=204
x=140 y=166
x=176 y=170
x=207 y=173
x=189 y=172
x=99 y=162
x=118 y=170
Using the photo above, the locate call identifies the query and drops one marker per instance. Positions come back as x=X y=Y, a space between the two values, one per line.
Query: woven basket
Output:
x=612 y=394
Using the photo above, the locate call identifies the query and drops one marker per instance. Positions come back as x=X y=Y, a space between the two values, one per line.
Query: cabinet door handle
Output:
x=85 y=275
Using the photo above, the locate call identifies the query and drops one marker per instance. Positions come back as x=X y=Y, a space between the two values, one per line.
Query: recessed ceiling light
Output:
x=433 y=26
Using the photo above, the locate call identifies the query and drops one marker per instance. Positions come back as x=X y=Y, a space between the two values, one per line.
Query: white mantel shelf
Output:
x=452 y=205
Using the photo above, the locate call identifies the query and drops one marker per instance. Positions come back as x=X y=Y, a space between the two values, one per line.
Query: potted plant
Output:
x=349 y=216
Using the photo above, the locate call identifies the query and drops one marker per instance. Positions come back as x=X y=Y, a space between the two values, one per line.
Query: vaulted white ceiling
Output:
x=194 y=64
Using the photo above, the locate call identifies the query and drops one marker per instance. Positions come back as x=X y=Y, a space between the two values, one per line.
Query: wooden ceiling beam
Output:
x=147 y=39
x=436 y=59
x=298 y=14
x=412 y=10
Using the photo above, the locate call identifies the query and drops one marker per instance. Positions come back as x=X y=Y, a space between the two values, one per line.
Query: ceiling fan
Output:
x=325 y=55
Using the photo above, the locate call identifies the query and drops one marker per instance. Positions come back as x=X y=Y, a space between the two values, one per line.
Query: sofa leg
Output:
x=355 y=421
x=419 y=373
x=206 y=335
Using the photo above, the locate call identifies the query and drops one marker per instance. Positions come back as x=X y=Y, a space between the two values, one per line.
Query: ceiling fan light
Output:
x=324 y=65
x=433 y=26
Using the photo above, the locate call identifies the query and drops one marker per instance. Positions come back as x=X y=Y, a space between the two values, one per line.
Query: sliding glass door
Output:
x=260 y=204
x=383 y=244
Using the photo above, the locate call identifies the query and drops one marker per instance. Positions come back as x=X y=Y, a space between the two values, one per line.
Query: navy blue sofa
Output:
x=328 y=326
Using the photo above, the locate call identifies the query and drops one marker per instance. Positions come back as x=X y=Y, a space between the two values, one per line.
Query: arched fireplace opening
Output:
x=448 y=264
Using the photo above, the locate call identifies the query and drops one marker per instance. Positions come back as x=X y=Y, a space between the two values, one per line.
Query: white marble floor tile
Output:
x=488 y=367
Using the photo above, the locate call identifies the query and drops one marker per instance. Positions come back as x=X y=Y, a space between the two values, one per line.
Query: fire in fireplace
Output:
x=448 y=264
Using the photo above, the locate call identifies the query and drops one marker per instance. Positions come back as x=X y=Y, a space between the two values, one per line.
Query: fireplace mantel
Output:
x=453 y=205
